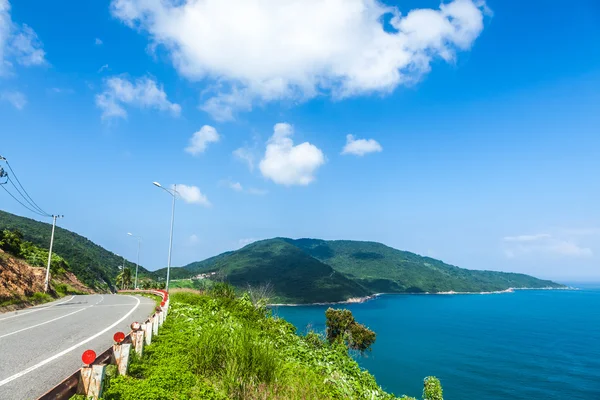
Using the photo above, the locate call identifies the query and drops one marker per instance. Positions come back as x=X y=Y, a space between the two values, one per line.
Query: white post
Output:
x=121 y=357
x=171 y=236
x=148 y=331
x=47 y=281
x=92 y=381
x=138 y=342
x=155 y=324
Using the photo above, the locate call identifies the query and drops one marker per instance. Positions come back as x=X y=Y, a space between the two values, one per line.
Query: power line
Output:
x=30 y=201
x=18 y=201
x=35 y=206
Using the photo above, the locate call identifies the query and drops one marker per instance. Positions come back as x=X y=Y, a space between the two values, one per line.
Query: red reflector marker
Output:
x=88 y=357
x=119 y=337
x=162 y=303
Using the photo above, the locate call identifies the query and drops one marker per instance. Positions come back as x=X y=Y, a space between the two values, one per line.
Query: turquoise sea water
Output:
x=524 y=345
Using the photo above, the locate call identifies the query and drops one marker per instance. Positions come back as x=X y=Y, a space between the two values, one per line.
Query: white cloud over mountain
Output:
x=259 y=51
x=200 y=140
x=360 y=147
x=287 y=164
x=141 y=93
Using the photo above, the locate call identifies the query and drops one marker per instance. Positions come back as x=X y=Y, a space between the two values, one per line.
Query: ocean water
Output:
x=524 y=345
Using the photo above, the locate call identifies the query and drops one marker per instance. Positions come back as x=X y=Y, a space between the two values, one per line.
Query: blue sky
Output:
x=475 y=125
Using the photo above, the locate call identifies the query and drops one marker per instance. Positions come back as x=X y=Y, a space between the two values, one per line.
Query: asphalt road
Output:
x=41 y=346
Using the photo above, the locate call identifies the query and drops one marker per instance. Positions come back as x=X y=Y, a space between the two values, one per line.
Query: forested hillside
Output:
x=91 y=263
x=313 y=270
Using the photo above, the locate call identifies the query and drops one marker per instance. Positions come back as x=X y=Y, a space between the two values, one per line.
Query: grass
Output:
x=35 y=299
x=216 y=346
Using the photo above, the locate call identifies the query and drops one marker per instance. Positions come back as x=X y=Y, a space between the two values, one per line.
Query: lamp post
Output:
x=173 y=193
x=137 y=264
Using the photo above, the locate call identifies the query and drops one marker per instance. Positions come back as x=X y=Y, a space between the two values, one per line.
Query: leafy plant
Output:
x=341 y=326
x=432 y=389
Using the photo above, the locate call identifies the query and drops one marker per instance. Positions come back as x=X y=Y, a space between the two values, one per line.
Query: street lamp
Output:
x=172 y=192
x=137 y=264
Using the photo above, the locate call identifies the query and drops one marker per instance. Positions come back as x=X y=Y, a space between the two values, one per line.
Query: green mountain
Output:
x=295 y=277
x=91 y=263
x=383 y=269
x=313 y=270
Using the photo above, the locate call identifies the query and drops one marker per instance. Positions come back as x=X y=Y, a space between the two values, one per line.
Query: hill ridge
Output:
x=372 y=267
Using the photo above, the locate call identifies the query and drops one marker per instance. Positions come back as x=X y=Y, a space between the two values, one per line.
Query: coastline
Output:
x=358 y=300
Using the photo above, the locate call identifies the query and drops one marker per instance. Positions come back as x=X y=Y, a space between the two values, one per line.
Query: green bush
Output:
x=39 y=297
x=341 y=326
x=432 y=389
x=217 y=347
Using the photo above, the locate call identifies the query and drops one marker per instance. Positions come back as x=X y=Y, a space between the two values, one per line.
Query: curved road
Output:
x=41 y=346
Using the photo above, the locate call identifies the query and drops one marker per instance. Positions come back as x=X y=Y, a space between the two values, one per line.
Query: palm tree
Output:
x=124 y=278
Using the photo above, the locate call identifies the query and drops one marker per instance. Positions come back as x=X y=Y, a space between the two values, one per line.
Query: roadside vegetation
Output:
x=22 y=273
x=92 y=264
x=215 y=345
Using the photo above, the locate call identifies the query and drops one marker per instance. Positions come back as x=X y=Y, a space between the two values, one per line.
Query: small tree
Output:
x=10 y=241
x=342 y=326
x=432 y=389
x=124 y=278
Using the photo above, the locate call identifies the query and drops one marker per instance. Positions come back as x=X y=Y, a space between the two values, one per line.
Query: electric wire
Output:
x=40 y=211
x=18 y=201
x=30 y=201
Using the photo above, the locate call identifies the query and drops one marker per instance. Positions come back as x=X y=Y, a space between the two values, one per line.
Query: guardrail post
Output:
x=155 y=324
x=147 y=327
x=121 y=357
x=91 y=382
x=161 y=318
x=138 y=342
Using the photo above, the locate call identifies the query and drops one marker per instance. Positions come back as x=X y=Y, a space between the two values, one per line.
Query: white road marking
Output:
x=52 y=320
x=70 y=349
x=36 y=309
x=44 y=323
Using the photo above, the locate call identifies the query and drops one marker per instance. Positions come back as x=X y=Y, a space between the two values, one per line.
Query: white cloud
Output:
x=193 y=239
x=246 y=155
x=143 y=93
x=287 y=164
x=200 y=140
x=543 y=244
x=16 y=98
x=103 y=68
x=236 y=186
x=18 y=43
x=98 y=42
x=268 y=50
x=192 y=195
x=360 y=147
x=527 y=238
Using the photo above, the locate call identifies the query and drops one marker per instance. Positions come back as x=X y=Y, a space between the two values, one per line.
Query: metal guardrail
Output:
x=68 y=387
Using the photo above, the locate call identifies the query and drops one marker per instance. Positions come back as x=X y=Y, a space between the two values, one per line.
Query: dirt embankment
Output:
x=19 y=282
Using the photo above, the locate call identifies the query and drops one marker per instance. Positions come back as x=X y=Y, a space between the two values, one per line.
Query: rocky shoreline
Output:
x=357 y=300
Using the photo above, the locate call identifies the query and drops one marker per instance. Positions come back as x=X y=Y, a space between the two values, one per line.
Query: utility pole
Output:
x=123 y=279
x=47 y=281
